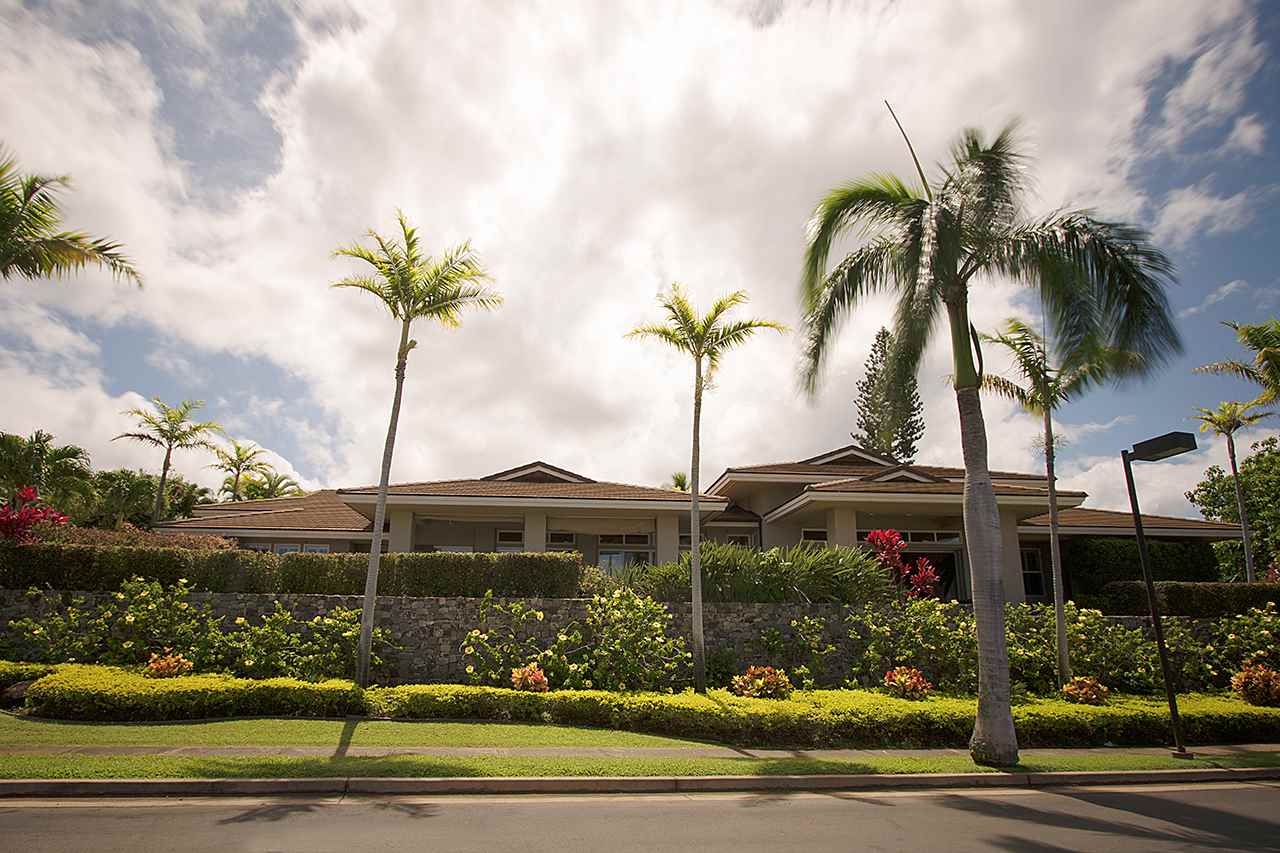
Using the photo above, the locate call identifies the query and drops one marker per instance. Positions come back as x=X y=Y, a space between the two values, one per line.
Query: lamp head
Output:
x=1163 y=446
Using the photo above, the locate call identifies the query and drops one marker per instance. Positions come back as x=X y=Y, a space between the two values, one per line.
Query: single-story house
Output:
x=833 y=498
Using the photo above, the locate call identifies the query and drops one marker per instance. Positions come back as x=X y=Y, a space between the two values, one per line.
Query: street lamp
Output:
x=1154 y=450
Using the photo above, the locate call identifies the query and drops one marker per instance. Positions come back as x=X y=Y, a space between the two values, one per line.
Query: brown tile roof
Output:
x=265 y=504
x=565 y=473
x=321 y=510
x=805 y=468
x=1085 y=517
x=518 y=489
x=735 y=513
x=942 y=488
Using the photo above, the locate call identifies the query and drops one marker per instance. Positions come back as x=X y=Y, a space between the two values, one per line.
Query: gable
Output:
x=903 y=473
x=850 y=454
x=538 y=472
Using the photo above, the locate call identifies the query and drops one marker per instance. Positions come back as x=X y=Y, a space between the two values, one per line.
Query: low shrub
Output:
x=167 y=665
x=78 y=692
x=129 y=536
x=1085 y=690
x=13 y=673
x=529 y=678
x=1188 y=599
x=1092 y=563
x=553 y=574
x=907 y=682
x=762 y=682
x=96 y=568
x=1257 y=685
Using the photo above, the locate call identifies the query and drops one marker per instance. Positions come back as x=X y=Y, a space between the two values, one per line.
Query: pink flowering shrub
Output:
x=529 y=678
x=907 y=682
x=762 y=682
x=916 y=579
x=18 y=519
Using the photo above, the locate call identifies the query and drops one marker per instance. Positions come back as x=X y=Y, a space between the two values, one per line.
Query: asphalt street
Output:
x=1225 y=816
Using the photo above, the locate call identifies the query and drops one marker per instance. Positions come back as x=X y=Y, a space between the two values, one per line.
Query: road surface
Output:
x=1231 y=816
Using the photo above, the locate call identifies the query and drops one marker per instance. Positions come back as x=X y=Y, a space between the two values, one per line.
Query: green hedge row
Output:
x=12 y=673
x=1092 y=563
x=1129 y=598
x=96 y=568
x=818 y=718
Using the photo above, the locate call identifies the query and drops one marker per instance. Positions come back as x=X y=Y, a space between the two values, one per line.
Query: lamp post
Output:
x=1154 y=450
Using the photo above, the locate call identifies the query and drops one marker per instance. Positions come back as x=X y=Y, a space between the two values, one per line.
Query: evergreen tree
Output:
x=890 y=418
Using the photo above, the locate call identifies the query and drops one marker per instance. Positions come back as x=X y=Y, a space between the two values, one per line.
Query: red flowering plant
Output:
x=23 y=513
x=529 y=678
x=907 y=682
x=917 y=579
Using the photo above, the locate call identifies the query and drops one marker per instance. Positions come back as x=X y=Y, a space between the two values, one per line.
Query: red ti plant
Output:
x=19 y=517
x=916 y=580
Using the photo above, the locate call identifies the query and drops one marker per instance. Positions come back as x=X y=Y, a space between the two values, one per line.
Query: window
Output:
x=743 y=539
x=613 y=561
x=510 y=541
x=686 y=541
x=315 y=549
x=262 y=547
x=287 y=548
x=1032 y=573
x=454 y=549
x=621 y=550
x=638 y=539
x=810 y=534
x=559 y=540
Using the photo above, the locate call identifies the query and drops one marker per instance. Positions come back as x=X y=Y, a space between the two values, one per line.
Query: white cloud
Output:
x=1188 y=211
x=1215 y=296
x=1248 y=135
x=1214 y=88
x=622 y=147
x=166 y=360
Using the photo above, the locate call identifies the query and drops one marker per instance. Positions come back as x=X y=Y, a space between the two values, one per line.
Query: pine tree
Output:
x=890 y=419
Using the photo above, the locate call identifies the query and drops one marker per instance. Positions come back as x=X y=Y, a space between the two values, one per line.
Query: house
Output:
x=833 y=498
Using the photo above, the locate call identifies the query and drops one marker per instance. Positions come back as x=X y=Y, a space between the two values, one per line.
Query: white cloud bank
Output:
x=593 y=153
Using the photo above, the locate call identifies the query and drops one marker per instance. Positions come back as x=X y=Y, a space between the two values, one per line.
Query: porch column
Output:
x=401 y=522
x=668 y=538
x=842 y=526
x=1011 y=571
x=535 y=531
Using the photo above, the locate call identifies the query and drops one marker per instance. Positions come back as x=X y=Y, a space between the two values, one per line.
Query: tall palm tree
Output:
x=1046 y=389
x=1263 y=340
x=59 y=474
x=170 y=428
x=239 y=460
x=412 y=287
x=1226 y=420
x=31 y=246
x=706 y=338
x=929 y=243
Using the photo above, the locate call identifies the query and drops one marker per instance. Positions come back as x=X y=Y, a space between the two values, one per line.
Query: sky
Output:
x=594 y=153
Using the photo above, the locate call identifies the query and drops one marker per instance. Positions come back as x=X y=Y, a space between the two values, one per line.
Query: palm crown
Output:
x=31 y=246
x=171 y=427
x=1229 y=417
x=56 y=472
x=928 y=242
x=1263 y=339
x=241 y=459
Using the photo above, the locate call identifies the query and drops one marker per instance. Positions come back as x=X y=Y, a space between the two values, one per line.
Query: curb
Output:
x=331 y=786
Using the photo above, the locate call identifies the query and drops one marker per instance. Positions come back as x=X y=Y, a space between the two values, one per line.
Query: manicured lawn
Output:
x=158 y=767
x=29 y=731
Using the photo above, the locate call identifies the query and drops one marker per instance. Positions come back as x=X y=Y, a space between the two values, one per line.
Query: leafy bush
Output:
x=938 y=638
x=93 y=568
x=1085 y=690
x=505 y=639
x=1188 y=599
x=552 y=574
x=12 y=673
x=806 y=572
x=529 y=678
x=128 y=536
x=762 y=682
x=77 y=692
x=1257 y=685
x=1095 y=562
x=907 y=682
x=810 y=634
x=167 y=665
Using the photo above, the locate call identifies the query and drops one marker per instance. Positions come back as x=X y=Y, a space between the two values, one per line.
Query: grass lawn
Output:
x=160 y=767
x=30 y=731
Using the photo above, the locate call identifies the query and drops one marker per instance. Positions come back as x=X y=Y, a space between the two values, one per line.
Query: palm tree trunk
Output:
x=1055 y=556
x=1249 y=574
x=235 y=486
x=379 y=518
x=695 y=535
x=994 y=740
x=164 y=477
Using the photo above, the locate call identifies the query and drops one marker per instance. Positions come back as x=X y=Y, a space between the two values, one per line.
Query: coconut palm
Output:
x=236 y=462
x=1226 y=420
x=929 y=243
x=31 y=246
x=1046 y=389
x=412 y=287
x=1263 y=340
x=170 y=428
x=706 y=338
x=679 y=481
x=59 y=474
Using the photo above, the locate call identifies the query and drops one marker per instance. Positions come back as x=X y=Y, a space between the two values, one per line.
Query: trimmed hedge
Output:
x=96 y=568
x=817 y=718
x=105 y=693
x=12 y=673
x=1129 y=598
x=1093 y=562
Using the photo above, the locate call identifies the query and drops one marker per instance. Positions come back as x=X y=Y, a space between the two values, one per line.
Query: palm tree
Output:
x=170 y=428
x=930 y=242
x=122 y=495
x=1048 y=388
x=1226 y=420
x=679 y=481
x=31 y=246
x=57 y=473
x=271 y=484
x=411 y=287
x=183 y=496
x=707 y=339
x=1263 y=339
x=241 y=459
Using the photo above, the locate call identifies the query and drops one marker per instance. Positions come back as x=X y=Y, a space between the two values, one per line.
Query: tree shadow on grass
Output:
x=344 y=737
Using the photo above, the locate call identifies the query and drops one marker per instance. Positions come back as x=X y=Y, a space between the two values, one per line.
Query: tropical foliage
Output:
x=1259 y=479
x=170 y=428
x=238 y=462
x=270 y=484
x=60 y=473
x=1226 y=420
x=1263 y=341
x=890 y=412
x=929 y=243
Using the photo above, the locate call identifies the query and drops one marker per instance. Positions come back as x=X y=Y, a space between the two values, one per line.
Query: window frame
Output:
x=282 y=548
x=1038 y=571
x=805 y=537
x=315 y=548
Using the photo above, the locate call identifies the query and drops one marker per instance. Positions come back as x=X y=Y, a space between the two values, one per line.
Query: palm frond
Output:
x=999 y=386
